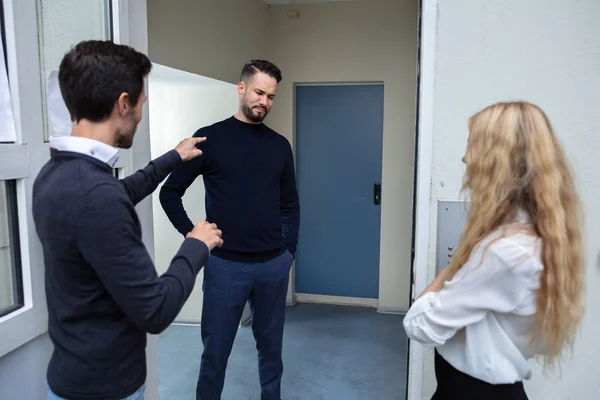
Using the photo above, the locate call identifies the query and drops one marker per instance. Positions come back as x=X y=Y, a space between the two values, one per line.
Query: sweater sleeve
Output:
x=171 y=193
x=290 y=206
x=142 y=183
x=108 y=241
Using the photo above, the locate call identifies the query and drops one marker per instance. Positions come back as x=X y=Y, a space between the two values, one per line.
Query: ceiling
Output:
x=300 y=1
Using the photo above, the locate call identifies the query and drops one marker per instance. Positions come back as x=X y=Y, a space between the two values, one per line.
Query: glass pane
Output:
x=3 y=32
x=11 y=294
x=8 y=132
x=62 y=24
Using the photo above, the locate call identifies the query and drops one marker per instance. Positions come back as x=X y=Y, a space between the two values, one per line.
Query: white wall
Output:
x=363 y=40
x=23 y=371
x=180 y=103
x=207 y=37
x=545 y=52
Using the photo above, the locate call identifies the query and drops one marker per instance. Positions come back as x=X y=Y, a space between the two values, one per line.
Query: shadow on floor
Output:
x=330 y=353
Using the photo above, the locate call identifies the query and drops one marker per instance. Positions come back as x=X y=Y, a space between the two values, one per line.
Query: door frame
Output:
x=133 y=24
x=292 y=299
x=426 y=58
x=130 y=27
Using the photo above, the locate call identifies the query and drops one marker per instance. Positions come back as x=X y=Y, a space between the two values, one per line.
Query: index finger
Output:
x=199 y=139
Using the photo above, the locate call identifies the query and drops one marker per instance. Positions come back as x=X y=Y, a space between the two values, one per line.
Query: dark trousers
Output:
x=455 y=385
x=227 y=286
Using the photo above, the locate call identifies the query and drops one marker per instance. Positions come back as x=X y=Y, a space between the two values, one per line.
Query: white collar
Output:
x=93 y=148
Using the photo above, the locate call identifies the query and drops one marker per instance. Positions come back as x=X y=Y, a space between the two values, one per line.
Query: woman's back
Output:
x=515 y=282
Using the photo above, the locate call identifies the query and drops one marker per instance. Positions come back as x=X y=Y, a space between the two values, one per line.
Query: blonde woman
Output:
x=513 y=288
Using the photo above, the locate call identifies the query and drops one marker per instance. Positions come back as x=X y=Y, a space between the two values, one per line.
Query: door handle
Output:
x=377 y=194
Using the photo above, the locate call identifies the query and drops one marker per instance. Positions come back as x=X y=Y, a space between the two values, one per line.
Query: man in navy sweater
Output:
x=250 y=184
x=102 y=288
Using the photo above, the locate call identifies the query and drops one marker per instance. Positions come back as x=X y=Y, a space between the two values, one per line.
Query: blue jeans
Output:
x=227 y=286
x=139 y=395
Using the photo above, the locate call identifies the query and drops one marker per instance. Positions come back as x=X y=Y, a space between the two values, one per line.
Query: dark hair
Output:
x=94 y=73
x=264 y=66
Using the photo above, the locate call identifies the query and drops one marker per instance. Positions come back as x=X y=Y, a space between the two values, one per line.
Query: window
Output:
x=62 y=24
x=37 y=34
x=11 y=284
x=7 y=125
x=2 y=33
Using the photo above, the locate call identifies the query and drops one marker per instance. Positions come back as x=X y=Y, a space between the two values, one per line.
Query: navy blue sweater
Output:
x=250 y=185
x=102 y=288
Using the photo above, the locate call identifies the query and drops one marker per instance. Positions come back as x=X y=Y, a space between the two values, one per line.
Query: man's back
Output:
x=102 y=289
x=96 y=345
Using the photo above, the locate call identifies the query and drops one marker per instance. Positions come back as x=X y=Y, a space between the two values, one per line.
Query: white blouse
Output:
x=482 y=320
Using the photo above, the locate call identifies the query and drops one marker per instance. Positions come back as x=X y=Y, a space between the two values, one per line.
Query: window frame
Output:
x=22 y=160
x=16 y=266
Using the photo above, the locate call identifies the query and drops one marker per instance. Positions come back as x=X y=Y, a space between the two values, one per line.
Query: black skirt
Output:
x=455 y=385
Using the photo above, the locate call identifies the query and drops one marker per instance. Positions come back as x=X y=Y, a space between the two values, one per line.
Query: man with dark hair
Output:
x=250 y=184
x=102 y=289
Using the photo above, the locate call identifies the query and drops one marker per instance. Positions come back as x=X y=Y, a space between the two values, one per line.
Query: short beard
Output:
x=254 y=118
x=124 y=138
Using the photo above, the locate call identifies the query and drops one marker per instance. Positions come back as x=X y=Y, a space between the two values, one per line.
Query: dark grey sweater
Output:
x=102 y=289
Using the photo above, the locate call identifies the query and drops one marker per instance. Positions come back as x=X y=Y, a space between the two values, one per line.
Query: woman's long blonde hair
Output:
x=515 y=161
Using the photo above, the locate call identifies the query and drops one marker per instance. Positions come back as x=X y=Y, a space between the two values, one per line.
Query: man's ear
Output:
x=123 y=104
x=241 y=88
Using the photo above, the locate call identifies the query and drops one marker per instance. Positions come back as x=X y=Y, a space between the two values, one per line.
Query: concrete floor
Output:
x=330 y=353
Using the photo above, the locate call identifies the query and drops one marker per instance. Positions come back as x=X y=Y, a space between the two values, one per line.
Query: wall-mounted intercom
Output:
x=452 y=215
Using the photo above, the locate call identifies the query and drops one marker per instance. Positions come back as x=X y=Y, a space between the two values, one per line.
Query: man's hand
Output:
x=207 y=233
x=187 y=148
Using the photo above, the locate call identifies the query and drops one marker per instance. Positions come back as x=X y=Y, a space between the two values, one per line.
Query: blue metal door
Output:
x=339 y=135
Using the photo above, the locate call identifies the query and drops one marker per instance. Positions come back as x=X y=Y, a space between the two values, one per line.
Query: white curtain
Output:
x=7 y=120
